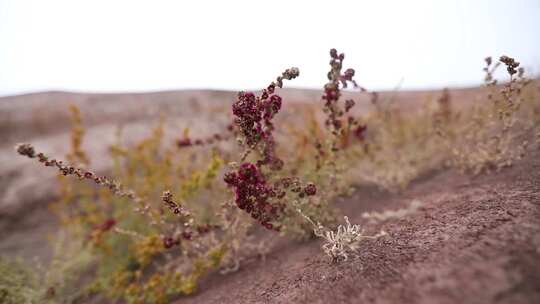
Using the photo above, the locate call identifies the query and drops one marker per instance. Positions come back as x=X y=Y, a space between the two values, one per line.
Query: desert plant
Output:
x=169 y=246
x=175 y=213
x=340 y=243
x=489 y=139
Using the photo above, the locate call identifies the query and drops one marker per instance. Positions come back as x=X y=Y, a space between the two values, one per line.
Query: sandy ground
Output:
x=474 y=240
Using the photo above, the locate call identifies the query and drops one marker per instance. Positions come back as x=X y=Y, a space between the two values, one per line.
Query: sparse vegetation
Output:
x=174 y=214
x=490 y=138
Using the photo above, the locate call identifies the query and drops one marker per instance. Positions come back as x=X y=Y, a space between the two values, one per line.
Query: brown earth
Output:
x=475 y=240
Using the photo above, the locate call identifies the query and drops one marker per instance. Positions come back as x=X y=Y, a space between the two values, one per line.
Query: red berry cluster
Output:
x=253 y=120
x=310 y=189
x=254 y=114
x=248 y=114
x=254 y=195
x=332 y=92
x=335 y=112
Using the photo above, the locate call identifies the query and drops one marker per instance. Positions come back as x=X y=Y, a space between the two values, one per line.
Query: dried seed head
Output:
x=511 y=64
x=333 y=53
x=26 y=150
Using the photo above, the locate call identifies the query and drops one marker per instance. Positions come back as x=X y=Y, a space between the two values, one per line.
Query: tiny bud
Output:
x=310 y=189
x=333 y=53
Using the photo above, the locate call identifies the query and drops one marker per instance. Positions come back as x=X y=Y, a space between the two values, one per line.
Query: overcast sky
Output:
x=159 y=45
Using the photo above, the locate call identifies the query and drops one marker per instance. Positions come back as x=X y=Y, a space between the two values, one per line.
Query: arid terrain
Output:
x=474 y=240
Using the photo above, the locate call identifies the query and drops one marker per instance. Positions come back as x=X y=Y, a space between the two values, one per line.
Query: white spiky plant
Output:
x=339 y=244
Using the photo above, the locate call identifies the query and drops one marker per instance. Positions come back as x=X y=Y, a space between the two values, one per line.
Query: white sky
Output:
x=155 y=45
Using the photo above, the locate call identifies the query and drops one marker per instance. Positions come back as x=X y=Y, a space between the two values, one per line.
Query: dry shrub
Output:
x=493 y=133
